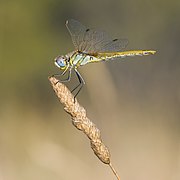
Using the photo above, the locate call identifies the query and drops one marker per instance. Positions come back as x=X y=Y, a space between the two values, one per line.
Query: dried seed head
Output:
x=81 y=122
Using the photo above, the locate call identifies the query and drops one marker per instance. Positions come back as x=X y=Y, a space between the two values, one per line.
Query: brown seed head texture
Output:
x=80 y=120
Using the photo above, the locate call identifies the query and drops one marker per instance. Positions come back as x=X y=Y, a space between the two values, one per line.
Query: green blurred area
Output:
x=135 y=101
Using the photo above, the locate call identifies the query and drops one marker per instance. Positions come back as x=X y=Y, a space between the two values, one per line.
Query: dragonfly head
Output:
x=61 y=62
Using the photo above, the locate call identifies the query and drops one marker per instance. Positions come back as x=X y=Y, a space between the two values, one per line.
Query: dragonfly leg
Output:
x=64 y=80
x=80 y=85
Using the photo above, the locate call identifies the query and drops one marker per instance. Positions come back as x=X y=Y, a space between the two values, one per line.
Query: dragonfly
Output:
x=91 y=46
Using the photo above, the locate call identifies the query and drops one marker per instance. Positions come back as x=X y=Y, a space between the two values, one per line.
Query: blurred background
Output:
x=135 y=102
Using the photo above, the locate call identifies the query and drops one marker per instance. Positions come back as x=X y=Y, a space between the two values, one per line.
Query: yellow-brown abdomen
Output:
x=109 y=55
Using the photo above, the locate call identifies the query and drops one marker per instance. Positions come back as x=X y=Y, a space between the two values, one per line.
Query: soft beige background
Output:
x=135 y=102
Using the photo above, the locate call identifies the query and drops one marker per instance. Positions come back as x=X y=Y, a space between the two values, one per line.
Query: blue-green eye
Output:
x=60 y=62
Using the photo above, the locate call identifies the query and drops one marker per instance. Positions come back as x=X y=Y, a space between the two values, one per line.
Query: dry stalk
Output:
x=81 y=122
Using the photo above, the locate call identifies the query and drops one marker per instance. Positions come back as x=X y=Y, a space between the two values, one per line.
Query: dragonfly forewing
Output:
x=92 y=41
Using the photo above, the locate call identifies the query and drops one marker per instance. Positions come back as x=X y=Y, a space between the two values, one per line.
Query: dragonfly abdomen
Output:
x=110 y=55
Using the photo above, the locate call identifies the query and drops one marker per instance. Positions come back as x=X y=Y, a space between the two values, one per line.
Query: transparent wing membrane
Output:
x=77 y=31
x=93 y=41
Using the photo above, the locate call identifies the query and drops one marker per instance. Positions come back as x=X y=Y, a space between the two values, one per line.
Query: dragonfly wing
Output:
x=77 y=32
x=93 y=41
x=114 y=45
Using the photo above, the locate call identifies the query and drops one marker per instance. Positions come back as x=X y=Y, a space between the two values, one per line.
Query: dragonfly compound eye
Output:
x=60 y=62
